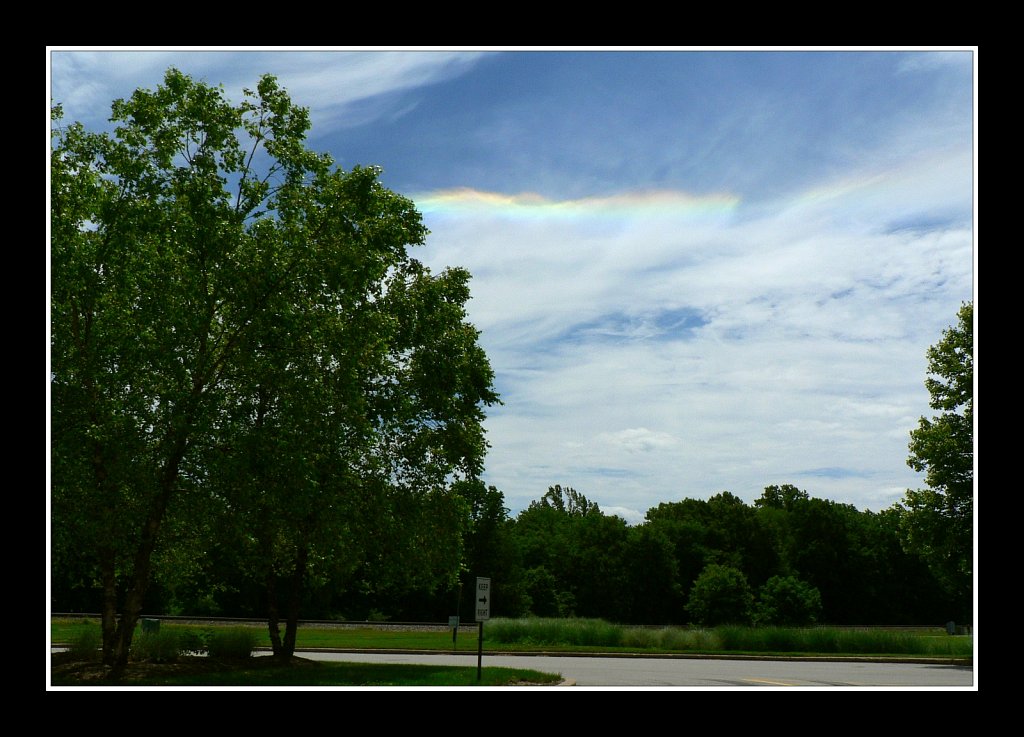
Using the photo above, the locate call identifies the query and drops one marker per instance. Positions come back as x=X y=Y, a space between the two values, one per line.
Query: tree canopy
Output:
x=239 y=331
x=938 y=521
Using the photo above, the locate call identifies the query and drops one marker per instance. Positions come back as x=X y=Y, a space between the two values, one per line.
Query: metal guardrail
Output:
x=184 y=619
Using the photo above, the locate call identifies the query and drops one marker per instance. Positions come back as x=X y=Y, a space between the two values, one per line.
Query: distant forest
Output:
x=787 y=559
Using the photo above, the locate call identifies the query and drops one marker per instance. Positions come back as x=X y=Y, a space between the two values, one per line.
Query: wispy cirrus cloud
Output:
x=342 y=88
x=695 y=354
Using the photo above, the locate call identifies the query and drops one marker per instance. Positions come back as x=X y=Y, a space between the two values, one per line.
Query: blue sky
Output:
x=694 y=271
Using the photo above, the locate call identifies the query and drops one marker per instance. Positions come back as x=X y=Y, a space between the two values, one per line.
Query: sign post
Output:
x=482 y=604
x=453 y=622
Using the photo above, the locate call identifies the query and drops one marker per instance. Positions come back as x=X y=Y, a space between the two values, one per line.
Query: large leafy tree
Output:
x=685 y=525
x=567 y=501
x=238 y=327
x=938 y=521
x=490 y=550
x=565 y=542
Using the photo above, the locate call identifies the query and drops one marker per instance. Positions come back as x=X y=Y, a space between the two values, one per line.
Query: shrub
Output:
x=86 y=643
x=232 y=643
x=720 y=595
x=541 y=587
x=786 y=600
x=161 y=646
x=191 y=641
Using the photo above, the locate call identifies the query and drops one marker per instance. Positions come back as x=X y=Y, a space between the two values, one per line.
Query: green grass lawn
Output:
x=345 y=638
x=260 y=672
x=312 y=637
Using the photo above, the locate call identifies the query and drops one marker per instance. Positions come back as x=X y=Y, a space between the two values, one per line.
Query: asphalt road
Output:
x=626 y=672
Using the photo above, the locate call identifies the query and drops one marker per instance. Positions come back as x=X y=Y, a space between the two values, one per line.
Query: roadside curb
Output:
x=964 y=662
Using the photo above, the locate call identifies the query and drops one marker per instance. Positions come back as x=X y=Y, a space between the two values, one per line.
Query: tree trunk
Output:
x=294 y=601
x=108 y=617
x=142 y=567
x=270 y=578
x=273 y=620
x=123 y=641
x=107 y=560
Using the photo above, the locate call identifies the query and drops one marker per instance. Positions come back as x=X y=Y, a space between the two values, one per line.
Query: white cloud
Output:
x=806 y=364
x=925 y=60
x=330 y=83
x=639 y=440
x=632 y=516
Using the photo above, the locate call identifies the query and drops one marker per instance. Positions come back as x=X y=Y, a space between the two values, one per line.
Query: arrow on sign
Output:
x=483 y=600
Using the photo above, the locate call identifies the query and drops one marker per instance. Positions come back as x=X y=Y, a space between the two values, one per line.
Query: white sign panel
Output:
x=483 y=599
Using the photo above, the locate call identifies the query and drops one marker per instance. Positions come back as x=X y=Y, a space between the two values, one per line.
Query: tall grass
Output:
x=837 y=640
x=86 y=643
x=547 y=631
x=793 y=640
x=162 y=646
x=670 y=638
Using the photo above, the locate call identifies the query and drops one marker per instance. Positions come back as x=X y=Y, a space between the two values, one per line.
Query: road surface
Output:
x=709 y=673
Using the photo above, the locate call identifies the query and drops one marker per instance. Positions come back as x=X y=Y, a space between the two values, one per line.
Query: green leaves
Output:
x=720 y=595
x=938 y=522
x=237 y=323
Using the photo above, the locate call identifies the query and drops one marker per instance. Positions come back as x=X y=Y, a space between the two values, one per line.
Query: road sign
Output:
x=483 y=599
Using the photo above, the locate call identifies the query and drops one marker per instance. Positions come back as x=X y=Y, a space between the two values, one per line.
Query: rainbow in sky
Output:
x=937 y=181
x=530 y=206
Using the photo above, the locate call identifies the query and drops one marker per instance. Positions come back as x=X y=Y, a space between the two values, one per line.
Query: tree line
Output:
x=788 y=558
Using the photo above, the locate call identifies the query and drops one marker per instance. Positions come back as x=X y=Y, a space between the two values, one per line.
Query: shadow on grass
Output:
x=197 y=671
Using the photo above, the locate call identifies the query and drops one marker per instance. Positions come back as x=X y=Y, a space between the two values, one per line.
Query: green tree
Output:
x=568 y=501
x=488 y=549
x=904 y=590
x=786 y=600
x=737 y=533
x=720 y=595
x=564 y=534
x=685 y=525
x=542 y=589
x=652 y=577
x=237 y=326
x=829 y=550
x=938 y=521
x=786 y=497
x=596 y=568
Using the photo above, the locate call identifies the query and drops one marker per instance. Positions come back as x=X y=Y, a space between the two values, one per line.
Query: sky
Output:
x=694 y=271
